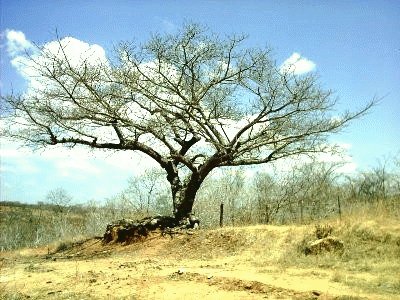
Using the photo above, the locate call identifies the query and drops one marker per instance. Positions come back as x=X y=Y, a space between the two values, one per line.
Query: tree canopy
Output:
x=192 y=101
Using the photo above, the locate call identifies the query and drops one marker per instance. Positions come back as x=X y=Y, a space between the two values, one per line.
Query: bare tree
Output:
x=267 y=196
x=60 y=198
x=379 y=182
x=191 y=101
x=61 y=201
x=144 y=189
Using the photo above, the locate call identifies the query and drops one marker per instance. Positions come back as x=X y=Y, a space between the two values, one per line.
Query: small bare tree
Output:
x=144 y=189
x=61 y=201
x=191 y=101
x=266 y=196
x=60 y=198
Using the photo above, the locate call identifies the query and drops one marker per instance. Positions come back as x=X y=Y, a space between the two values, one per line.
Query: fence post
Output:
x=221 y=215
x=339 y=207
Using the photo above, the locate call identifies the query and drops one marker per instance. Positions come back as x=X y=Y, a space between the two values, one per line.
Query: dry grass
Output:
x=253 y=262
x=370 y=260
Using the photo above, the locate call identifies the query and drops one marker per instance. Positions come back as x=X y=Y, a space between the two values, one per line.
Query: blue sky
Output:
x=355 y=46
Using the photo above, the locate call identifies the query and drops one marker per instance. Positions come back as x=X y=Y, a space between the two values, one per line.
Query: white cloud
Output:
x=17 y=43
x=75 y=50
x=17 y=48
x=297 y=65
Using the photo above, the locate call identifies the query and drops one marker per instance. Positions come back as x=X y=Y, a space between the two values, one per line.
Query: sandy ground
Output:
x=183 y=267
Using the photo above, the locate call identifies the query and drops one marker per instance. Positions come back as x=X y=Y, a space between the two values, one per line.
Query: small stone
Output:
x=181 y=271
x=316 y=293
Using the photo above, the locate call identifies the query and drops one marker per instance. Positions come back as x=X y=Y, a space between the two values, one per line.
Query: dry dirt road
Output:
x=217 y=264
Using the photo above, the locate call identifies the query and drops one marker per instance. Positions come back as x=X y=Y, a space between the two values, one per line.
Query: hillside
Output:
x=255 y=262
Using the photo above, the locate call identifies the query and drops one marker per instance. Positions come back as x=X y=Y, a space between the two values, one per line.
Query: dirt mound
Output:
x=203 y=244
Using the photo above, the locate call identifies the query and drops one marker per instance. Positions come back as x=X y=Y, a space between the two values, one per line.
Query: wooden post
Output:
x=301 y=211
x=221 y=215
x=339 y=207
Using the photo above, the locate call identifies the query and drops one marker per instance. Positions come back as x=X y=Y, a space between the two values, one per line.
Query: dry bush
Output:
x=323 y=231
x=36 y=225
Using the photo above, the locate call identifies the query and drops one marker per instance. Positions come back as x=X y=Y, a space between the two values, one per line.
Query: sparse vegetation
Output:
x=312 y=194
x=246 y=262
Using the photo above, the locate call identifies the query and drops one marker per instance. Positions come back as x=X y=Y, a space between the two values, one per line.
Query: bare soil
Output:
x=229 y=263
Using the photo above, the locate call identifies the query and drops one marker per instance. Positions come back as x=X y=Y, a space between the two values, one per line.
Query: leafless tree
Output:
x=316 y=182
x=191 y=101
x=270 y=195
x=379 y=182
x=144 y=189
x=60 y=198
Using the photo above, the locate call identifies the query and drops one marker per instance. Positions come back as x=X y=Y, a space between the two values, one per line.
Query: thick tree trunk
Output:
x=185 y=195
x=184 y=204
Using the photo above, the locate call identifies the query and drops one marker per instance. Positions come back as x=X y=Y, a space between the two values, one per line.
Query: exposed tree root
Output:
x=128 y=231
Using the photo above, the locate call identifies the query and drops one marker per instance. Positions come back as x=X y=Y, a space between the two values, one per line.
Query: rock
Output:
x=316 y=293
x=327 y=244
x=194 y=221
x=154 y=222
x=180 y=271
